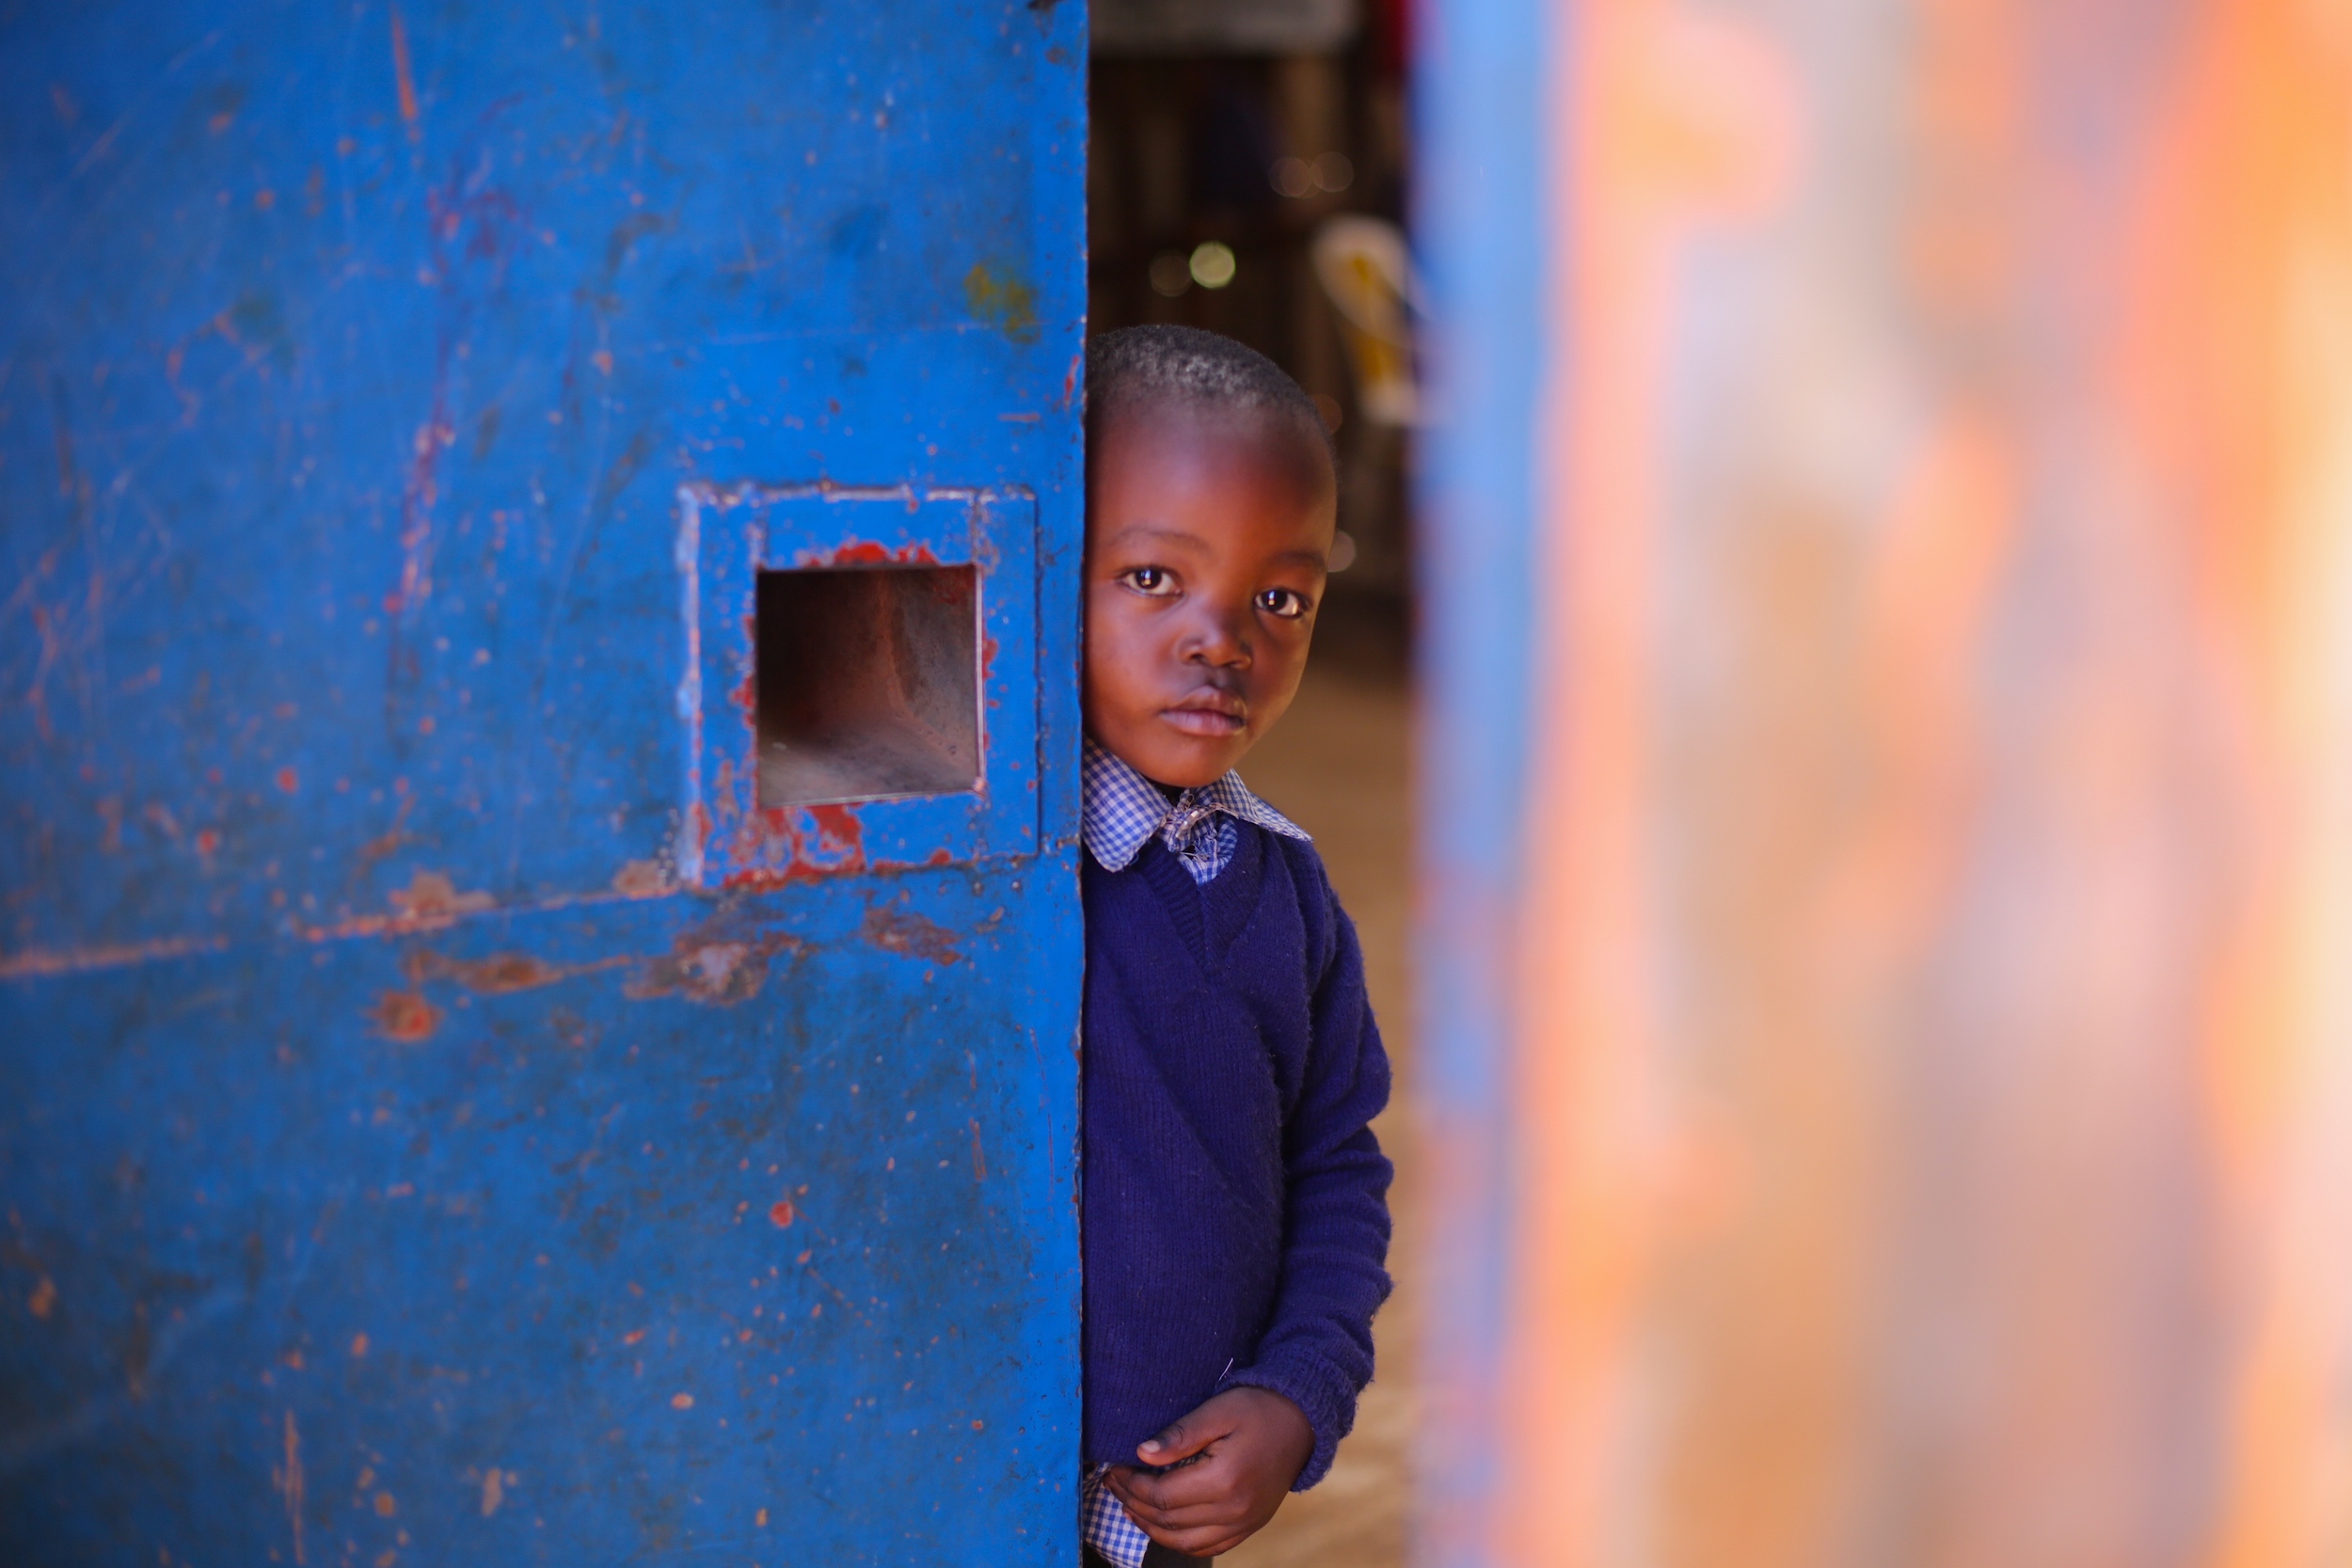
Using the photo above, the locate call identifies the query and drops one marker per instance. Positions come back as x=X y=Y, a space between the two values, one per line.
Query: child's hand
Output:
x=1250 y=1446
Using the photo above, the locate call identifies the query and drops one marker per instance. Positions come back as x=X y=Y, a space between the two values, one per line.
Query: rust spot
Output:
x=911 y=935
x=493 y=1492
x=632 y=1335
x=492 y=977
x=207 y=842
x=402 y=1015
x=779 y=1214
x=681 y=1401
x=979 y=1161
x=386 y=843
x=432 y=899
x=1008 y=301
x=385 y=1506
x=289 y=1482
x=508 y=972
x=45 y=962
x=359 y=1347
x=287 y=780
x=720 y=962
x=641 y=879
x=404 y=79
x=44 y=1297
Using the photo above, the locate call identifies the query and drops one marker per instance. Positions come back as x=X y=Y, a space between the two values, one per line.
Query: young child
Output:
x=1235 y=1216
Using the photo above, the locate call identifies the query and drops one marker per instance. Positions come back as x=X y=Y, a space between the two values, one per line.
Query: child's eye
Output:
x=1154 y=580
x=1286 y=602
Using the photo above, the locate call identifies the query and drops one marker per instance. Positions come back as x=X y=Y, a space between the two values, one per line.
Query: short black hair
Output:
x=1184 y=364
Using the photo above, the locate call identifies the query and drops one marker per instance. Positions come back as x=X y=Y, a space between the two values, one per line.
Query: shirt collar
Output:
x=1123 y=809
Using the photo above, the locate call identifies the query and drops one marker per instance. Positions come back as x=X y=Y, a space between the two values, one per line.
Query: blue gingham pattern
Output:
x=1104 y=1524
x=1123 y=810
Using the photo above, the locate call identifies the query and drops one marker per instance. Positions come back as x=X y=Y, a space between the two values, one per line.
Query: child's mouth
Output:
x=1211 y=715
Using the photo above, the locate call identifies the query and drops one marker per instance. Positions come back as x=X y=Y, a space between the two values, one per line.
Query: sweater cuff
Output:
x=1323 y=1395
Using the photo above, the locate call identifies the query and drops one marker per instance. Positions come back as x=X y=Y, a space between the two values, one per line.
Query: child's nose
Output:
x=1221 y=638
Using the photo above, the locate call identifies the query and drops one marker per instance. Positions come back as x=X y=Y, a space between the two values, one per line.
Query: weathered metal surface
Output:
x=1907 y=1121
x=412 y=1150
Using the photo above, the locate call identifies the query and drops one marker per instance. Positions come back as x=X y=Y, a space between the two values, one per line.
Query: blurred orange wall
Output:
x=1931 y=1075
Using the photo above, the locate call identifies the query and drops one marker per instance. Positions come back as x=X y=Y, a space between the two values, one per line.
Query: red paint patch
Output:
x=839 y=829
x=766 y=878
x=780 y=1212
x=287 y=780
x=746 y=694
x=866 y=552
x=776 y=851
x=402 y=1015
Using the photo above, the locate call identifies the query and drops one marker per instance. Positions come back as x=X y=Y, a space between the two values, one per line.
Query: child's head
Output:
x=1211 y=498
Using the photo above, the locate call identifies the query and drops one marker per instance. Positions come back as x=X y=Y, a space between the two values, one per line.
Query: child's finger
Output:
x=1160 y=1524
x=1183 y=1437
x=1180 y=1494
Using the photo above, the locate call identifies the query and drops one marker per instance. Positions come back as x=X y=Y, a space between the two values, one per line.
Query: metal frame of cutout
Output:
x=898 y=721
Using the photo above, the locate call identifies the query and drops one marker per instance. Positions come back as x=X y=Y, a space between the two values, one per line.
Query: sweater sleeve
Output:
x=1317 y=1350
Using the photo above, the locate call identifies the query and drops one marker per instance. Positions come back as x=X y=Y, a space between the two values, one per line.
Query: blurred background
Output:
x=1862 y=486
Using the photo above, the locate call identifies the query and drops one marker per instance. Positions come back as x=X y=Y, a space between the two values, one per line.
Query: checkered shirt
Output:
x=1123 y=809
x=1104 y=1524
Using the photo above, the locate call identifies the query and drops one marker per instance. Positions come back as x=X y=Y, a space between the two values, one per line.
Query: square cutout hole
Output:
x=868 y=683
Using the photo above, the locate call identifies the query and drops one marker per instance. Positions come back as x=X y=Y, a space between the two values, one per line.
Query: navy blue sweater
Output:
x=1235 y=1213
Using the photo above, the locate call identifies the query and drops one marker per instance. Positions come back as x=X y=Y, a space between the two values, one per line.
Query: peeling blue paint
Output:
x=407 y=1140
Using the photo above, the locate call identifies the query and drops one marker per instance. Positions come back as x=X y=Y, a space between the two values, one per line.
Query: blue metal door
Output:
x=537 y=687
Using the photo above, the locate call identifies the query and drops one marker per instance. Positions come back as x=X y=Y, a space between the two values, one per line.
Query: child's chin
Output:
x=1188 y=761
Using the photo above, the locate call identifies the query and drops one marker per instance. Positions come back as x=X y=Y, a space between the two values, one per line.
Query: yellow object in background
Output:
x=1366 y=272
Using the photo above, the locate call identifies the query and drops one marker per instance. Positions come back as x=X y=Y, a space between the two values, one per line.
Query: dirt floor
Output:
x=1337 y=766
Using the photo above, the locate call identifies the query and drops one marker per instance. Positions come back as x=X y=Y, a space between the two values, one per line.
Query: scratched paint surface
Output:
x=411 y=1149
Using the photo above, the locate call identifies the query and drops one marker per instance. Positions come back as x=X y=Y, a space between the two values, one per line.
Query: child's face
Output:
x=1207 y=537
